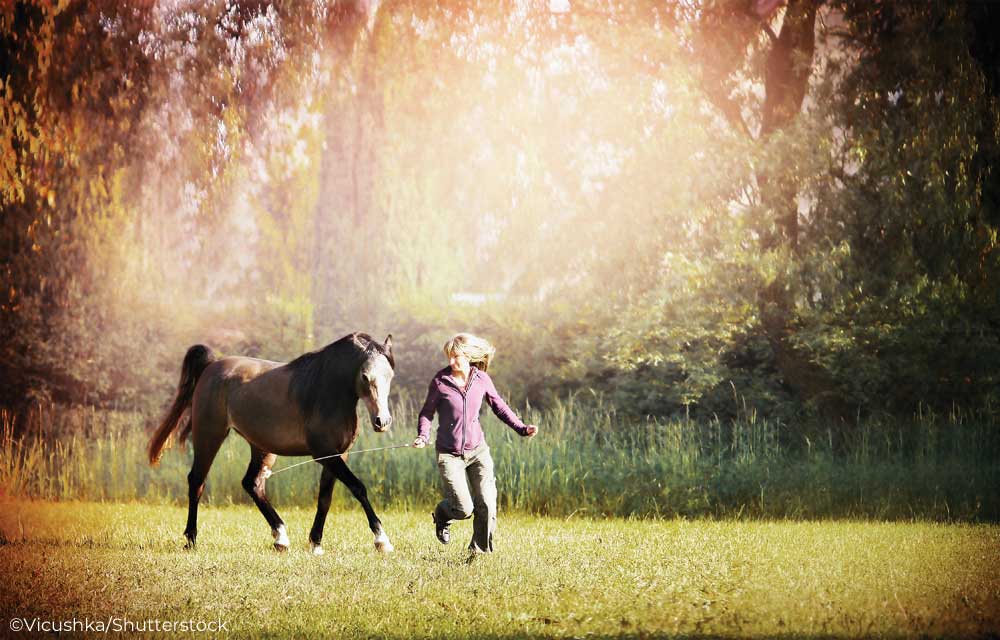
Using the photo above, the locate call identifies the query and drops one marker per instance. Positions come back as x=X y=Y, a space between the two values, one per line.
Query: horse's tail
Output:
x=197 y=358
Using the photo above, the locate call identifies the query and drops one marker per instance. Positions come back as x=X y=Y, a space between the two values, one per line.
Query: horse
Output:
x=305 y=407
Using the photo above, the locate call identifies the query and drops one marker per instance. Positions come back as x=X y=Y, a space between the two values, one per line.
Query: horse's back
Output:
x=223 y=376
x=244 y=369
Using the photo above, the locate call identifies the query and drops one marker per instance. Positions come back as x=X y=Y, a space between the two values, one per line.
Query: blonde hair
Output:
x=478 y=350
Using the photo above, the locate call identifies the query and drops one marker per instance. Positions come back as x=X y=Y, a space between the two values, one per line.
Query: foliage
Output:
x=660 y=202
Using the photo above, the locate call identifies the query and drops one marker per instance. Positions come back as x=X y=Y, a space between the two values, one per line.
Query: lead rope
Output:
x=270 y=473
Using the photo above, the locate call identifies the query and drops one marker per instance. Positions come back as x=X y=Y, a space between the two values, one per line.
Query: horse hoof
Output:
x=316 y=549
x=280 y=538
x=382 y=544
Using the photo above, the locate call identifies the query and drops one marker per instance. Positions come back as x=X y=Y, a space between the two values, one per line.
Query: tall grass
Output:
x=586 y=460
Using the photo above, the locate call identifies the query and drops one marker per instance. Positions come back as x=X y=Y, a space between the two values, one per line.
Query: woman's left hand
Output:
x=530 y=431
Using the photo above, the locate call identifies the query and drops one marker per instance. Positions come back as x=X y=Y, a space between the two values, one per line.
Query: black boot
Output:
x=441 y=530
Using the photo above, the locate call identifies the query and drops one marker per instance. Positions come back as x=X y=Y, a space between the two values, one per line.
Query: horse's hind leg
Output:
x=339 y=469
x=207 y=435
x=326 y=482
x=256 y=475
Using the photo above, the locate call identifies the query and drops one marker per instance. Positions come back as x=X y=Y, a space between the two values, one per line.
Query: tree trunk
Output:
x=789 y=65
x=786 y=80
x=345 y=256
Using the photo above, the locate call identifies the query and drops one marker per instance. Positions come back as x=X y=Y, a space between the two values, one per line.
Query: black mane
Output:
x=323 y=380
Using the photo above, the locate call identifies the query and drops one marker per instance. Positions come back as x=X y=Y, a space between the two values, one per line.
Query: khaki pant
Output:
x=469 y=489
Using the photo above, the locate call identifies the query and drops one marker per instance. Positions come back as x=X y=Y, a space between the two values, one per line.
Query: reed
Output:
x=586 y=460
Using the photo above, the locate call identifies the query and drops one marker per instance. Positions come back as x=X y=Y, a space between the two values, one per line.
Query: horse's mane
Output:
x=323 y=380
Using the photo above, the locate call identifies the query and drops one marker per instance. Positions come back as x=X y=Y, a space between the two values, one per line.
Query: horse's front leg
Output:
x=339 y=469
x=254 y=482
x=326 y=481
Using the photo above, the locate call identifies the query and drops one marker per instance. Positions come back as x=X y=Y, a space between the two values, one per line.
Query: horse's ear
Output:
x=388 y=343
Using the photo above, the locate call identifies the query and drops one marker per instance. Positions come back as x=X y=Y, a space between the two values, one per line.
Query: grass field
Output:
x=553 y=577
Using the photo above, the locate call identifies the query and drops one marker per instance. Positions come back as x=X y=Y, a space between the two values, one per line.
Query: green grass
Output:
x=586 y=460
x=553 y=577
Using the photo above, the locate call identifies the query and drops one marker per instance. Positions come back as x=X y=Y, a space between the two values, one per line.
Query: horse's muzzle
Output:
x=381 y=423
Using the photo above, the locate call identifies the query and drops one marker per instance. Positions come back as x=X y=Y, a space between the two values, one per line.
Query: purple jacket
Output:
x=458 y=411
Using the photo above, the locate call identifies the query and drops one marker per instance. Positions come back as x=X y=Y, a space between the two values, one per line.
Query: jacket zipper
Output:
x=461 y=450
x=465 y=417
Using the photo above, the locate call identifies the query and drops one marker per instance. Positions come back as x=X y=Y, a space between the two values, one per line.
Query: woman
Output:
x=456 y=394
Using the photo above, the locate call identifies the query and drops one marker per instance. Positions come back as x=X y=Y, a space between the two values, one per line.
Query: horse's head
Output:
x=374 y=379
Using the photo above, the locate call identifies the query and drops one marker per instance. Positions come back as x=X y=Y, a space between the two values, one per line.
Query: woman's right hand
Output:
x=419 y=442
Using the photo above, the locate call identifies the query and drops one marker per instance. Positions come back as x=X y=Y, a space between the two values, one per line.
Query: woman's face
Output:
x=459 y=363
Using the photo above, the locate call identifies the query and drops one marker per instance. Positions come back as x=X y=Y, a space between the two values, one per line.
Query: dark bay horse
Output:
x=305 y=407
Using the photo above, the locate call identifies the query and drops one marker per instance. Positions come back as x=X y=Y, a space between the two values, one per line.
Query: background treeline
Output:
x=706 y=209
